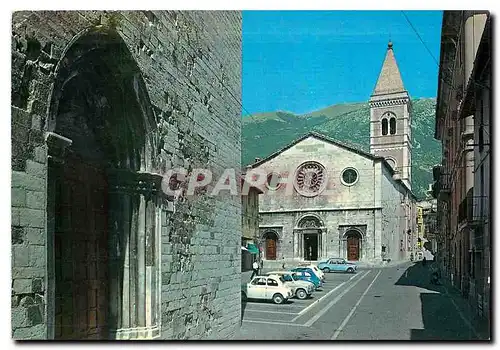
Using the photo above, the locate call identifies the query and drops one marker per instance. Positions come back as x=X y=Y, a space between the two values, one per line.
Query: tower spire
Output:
x=389 y=80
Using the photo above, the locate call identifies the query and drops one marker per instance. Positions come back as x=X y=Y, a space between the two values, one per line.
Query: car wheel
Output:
x=243 y=296
x=278 y=298
x=301 y=294
x=350 y=270
x=326 y=270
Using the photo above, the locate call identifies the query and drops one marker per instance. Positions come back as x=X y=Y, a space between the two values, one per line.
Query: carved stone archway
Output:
x=104 y=196
x=310 y=235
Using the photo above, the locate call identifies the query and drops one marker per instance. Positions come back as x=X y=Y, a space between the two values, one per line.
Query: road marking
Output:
x=334 y=301
x=324 y=296
x=348 y=317
x=285 y=306
x=278 y=323
x=272 y=312
x=467 y=323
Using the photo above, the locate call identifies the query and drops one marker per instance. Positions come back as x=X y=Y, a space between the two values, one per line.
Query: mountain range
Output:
x=266 y=133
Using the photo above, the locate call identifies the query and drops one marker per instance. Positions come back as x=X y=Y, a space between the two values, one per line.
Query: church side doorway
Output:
x=353 y=245
x=311 y=246
x=271 y=244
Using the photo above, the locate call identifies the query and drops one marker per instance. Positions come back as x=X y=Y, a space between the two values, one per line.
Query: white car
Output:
x=267 y=288
x=301 y=289
x=320 y=274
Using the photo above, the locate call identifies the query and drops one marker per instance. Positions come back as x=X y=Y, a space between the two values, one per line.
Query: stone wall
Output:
x=190 y=63
x=393 y=217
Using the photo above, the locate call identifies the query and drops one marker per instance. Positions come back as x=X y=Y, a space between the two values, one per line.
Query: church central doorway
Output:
x=311 y=246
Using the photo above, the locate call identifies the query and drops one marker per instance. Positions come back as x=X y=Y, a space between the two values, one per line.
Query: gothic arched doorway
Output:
x=310 y=244
x=354 y=240
x=271 y=245
x=101 y=206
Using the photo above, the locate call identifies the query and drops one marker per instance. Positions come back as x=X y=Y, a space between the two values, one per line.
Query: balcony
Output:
x=473 y=211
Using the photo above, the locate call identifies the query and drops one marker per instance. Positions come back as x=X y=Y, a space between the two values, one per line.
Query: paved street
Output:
x=393 y=303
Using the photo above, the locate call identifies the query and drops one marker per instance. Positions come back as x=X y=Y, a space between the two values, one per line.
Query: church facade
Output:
x=326 y=199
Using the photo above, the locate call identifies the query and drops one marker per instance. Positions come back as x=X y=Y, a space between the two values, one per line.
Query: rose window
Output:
x=310 y=179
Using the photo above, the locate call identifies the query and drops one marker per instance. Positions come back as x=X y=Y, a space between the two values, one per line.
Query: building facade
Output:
x=250 y=224
x=426 y=222
x=326 y=199
x=103 y=104
x=462 y=181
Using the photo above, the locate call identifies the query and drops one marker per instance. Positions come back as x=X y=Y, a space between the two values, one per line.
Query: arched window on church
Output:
x=392 y=125
x=384 y=126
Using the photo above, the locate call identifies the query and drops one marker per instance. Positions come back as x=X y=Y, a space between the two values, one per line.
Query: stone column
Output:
x=56 y=149
x=134 y=292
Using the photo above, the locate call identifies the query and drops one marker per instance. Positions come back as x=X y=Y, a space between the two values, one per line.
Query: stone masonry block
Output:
x=18 y=197
x=19 y=317
x=37 y=256
x=32 y=218
x=35 y=200
x=35 y=235
x=35 y=316
x=36 y=169
x=20 y=256
x=15 y=217
x=41 y=154
x=37 y=285
x=30 y=333
x=23 y=180
x=22 y=286
x=27 y=272
x=18 y=234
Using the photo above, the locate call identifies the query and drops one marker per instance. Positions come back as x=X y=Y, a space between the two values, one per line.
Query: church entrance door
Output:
x=352 y=248
x=311 y=246
x=271 y=245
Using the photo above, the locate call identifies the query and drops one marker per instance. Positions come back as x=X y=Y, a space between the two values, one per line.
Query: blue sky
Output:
x=301 y=61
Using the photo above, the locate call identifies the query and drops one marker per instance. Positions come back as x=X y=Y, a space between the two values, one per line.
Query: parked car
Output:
x=317 y=271
x=308 y=274
x=302 y=289
x=337 y=265
x=267 y=288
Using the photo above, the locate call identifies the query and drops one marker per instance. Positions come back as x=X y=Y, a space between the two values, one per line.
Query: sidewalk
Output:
x=480 y=324
x=419 y=276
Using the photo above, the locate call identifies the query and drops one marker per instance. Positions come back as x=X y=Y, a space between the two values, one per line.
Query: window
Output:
x=310 y=179
x=392 y=126
x=273 y=181
x=259 y=282
x=384 y=126
x=272 y=283
x=349 y=176
x=287 y=278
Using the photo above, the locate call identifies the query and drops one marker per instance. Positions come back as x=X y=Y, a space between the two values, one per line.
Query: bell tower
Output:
x=390 y=119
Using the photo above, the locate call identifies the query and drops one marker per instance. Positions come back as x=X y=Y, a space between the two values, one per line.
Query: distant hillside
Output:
x=266 y=133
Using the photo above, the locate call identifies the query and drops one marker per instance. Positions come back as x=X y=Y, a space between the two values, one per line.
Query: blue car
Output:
x=308 y=274
x=337 y=265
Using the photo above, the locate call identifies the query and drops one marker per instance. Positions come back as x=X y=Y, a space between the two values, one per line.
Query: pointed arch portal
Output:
x=103 y=205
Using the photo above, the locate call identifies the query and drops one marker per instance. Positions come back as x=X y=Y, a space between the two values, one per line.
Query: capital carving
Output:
x=129 y=182
x=56 y=146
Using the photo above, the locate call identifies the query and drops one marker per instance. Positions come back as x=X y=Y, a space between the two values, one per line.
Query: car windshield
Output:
x=295 y=277
x=282 y=279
